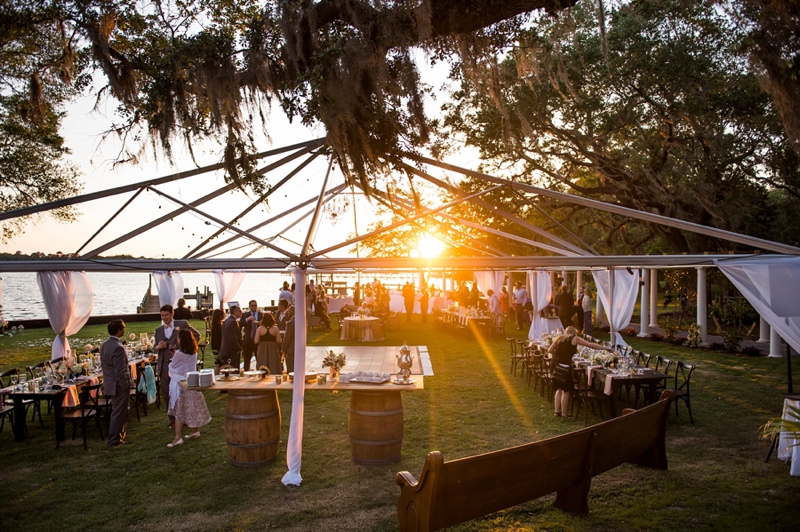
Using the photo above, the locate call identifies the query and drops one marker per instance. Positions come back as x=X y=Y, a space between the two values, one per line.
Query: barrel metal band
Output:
x=252 y=445
x=376 y=413
x=251 y=416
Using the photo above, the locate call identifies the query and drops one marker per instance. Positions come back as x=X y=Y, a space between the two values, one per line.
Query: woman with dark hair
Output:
x=216 y=330
x=188 y=406
x=562 y=350
x=268 y=352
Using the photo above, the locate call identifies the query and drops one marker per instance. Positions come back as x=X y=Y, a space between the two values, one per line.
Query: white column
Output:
x=763 y=330
x=294 y=447
x=611 y=306
x=653 y=298
x=644 y=322
x=702 y=305
x=774 y=343
x=552 y=284
x=578 y=282
x=444 y=280
x=564 y=278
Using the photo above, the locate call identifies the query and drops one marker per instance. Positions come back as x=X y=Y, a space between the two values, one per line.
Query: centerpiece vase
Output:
x=334 y=372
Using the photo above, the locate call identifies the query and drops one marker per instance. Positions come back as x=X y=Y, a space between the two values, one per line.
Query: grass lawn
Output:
x=717 y=479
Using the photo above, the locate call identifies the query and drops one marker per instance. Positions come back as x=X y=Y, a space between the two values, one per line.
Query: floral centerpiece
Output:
x=334 y=362
x=606 y=359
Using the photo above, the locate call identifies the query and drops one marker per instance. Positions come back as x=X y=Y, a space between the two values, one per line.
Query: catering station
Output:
x=376 y=377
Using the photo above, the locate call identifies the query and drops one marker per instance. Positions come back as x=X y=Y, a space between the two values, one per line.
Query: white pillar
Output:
x=611 y=306
x=702 y=305
x=578 y=282
x=444 y=281
x=763 y=330
x=294 y=447
x=774 y=343
x=564 y=278
x=552 y=284
x=653 y=298
x=644 y=322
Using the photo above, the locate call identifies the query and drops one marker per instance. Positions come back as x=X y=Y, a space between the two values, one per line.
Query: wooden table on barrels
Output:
x=375 y=417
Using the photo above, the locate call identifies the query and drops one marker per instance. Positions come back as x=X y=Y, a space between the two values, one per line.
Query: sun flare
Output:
x=429 y=246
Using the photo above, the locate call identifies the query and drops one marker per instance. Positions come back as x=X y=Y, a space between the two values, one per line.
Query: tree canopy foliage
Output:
x=653 y=107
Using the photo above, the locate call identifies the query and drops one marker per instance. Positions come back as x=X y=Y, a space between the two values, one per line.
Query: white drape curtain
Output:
x=169 y=286
x=490 y=280
x=294 y=447
x=621 y=303
x=540 y=292
x=68 y=298
x=228 y=283
x=772 y=286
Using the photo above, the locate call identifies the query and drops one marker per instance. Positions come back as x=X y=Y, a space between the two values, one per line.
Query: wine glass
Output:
x=62 y=370
x=14 y=380
x=22 y=380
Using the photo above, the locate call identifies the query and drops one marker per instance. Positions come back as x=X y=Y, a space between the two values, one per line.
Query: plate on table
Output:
x=369 y=380
x=402 y=383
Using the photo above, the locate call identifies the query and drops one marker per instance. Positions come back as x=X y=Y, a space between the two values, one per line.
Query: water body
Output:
x=121 y=293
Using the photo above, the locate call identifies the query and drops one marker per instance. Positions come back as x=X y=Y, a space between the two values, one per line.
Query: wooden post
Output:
x=644 y=322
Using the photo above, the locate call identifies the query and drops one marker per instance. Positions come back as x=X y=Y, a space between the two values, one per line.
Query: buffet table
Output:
x=375 y=416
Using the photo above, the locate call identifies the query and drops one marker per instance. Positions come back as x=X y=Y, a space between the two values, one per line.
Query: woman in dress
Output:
x=562 y=350
x=268 y=353
x=188 y=406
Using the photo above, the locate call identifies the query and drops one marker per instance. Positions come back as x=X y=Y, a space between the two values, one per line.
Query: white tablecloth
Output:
x=336 y=303
x=787 y=445
x=541 y=326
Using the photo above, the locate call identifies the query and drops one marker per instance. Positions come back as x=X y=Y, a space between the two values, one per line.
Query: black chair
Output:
x=584 y=396
x=6 y=411
x=683 y=377
x=516 y=357
x=88 y=408
x=10 y=402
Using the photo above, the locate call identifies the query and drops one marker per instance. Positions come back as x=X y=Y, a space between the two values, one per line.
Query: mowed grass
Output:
x=717 y=479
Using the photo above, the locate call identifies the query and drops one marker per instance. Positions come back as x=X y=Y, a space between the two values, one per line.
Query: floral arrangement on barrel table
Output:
x=334 y=362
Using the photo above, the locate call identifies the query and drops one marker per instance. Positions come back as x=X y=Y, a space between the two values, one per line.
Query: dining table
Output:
x=612 y=380
x=60 y=396
x=366 y=329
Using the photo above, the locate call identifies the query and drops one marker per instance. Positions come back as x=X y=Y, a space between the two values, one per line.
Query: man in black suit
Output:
x=248 y=324
x=231 y=346
x=287 y=346
x=116 y=381
x=166 y=339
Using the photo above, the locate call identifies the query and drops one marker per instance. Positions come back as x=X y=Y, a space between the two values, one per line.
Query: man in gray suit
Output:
x=116 y=381
x=166 y=339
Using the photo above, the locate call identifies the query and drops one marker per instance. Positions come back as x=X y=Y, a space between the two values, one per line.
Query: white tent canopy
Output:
x=263 y=245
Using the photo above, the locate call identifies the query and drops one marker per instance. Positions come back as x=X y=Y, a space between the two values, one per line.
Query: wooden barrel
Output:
x=375 y=420
x=252 y=427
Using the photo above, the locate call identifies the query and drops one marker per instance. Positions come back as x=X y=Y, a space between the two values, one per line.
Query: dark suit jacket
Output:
x=287 y=346
x=231 y=339
x=246 y=326
x=116 y=378
x=165 y=355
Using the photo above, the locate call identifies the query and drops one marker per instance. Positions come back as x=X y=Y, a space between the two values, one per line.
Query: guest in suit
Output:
x=182 y=313
x=283 y=311
x=288 y=341
x=116 y=381
x=166 y=339
x=248 y=323
x=231 y=346
x=216 y=330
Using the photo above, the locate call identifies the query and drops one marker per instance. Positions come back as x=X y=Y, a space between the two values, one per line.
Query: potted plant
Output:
x=334 y=363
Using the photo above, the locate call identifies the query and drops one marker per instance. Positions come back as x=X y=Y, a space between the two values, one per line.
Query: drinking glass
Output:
x=22 y=380
x=14 y=380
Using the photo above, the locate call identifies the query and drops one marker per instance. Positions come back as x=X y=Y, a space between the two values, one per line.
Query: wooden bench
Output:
x=449 y=493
